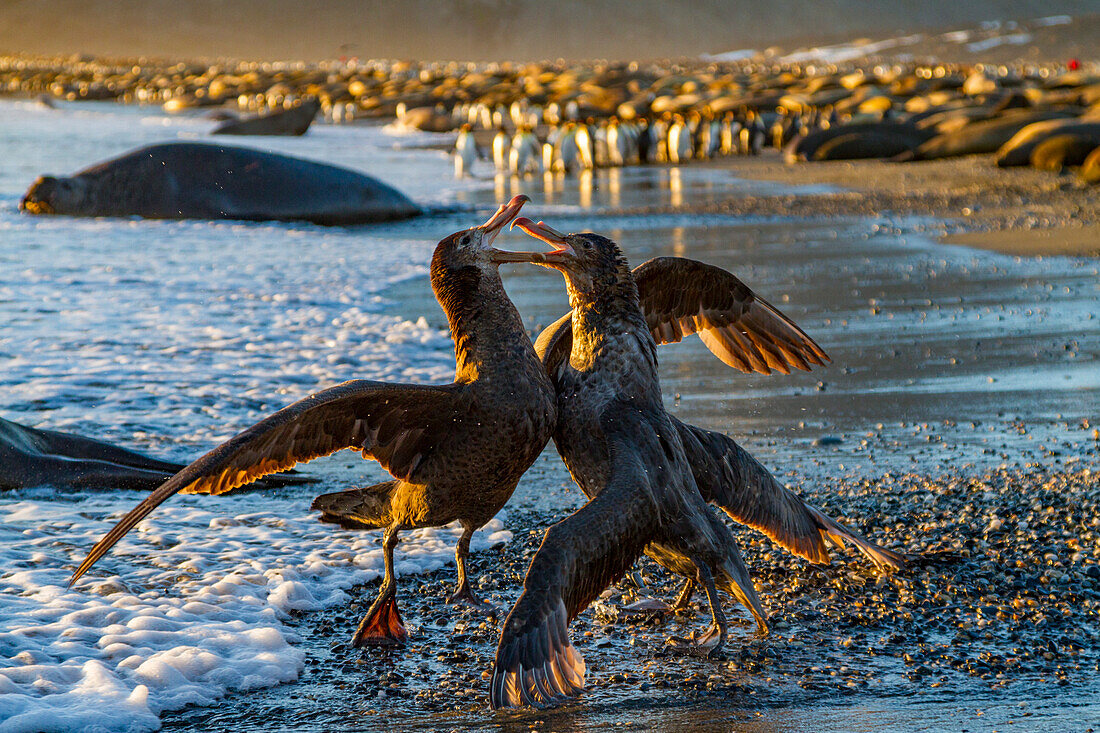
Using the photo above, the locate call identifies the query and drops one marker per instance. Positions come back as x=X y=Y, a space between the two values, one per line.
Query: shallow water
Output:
x=172 y=336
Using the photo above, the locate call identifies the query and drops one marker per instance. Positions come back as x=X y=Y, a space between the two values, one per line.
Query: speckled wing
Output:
x=680 y=296
x=579 y=557
x=394 y=424
x=727 y=475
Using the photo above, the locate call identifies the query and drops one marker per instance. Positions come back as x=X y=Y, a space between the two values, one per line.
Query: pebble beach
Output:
x=958 y=423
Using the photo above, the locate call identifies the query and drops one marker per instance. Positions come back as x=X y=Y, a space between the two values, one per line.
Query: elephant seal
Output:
x=1090 y=169
x=288 y=122
x=859 y=146
x=32 y=457
x=804 y=147
x=1017 y=151
x=982 y=136
x=203 y=181
x=1059 y=152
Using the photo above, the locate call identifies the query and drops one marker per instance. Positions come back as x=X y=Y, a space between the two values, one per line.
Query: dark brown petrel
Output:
x=649 y=477
x=679 y=297
x=456 y=451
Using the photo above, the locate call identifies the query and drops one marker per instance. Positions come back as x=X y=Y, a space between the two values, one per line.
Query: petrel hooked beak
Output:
x=562 y=249
x=503 y=215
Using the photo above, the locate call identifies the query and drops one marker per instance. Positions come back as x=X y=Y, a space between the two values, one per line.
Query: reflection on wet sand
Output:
x=614 y=188
x=675 y=187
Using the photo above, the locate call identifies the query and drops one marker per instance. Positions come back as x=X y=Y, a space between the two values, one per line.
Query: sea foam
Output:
x=170 y=337
x=189 y=608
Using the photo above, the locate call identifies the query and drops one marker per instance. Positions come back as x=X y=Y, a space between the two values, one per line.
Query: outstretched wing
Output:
x=394 y=424
x=580 y=556
x=731 y=478
x=680 y=296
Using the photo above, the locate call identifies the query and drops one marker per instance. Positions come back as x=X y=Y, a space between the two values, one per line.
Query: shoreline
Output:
x=1015 y=211
x=855 y=294
x=1018 y=211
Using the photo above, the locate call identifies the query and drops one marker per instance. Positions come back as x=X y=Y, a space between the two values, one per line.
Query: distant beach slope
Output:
x=477 y=29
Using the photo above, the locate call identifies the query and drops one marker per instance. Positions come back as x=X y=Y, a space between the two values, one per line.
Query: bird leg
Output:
x=711 y=642
x=718 y=618
x=382 y=626
x=683 y=600
x=463 y=592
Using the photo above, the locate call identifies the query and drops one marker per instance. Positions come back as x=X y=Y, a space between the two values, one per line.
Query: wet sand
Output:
x=1075 y=241
x=1019 y=211
x=927 y=432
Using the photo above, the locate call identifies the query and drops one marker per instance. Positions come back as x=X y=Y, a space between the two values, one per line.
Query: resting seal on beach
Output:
x=1017 y=151
x=982 y=136
x=203 y=181
x=1090 y=169
x=32 y=457
x=1063 y=151
x=804 y=147
x=289 y=122
x=863 y=145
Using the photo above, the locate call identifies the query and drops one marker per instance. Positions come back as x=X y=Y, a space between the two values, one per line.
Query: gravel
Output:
x=1002 y=597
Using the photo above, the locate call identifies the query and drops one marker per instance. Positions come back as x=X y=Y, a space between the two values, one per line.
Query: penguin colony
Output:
x=569 y=145
x=565 y=117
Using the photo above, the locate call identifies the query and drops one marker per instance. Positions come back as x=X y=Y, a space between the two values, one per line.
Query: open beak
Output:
x=503 y=216
x=562 y=249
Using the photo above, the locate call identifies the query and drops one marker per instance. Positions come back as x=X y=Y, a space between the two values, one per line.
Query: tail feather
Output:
x=837 y=533
x=364 y=508
x=728 y=476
